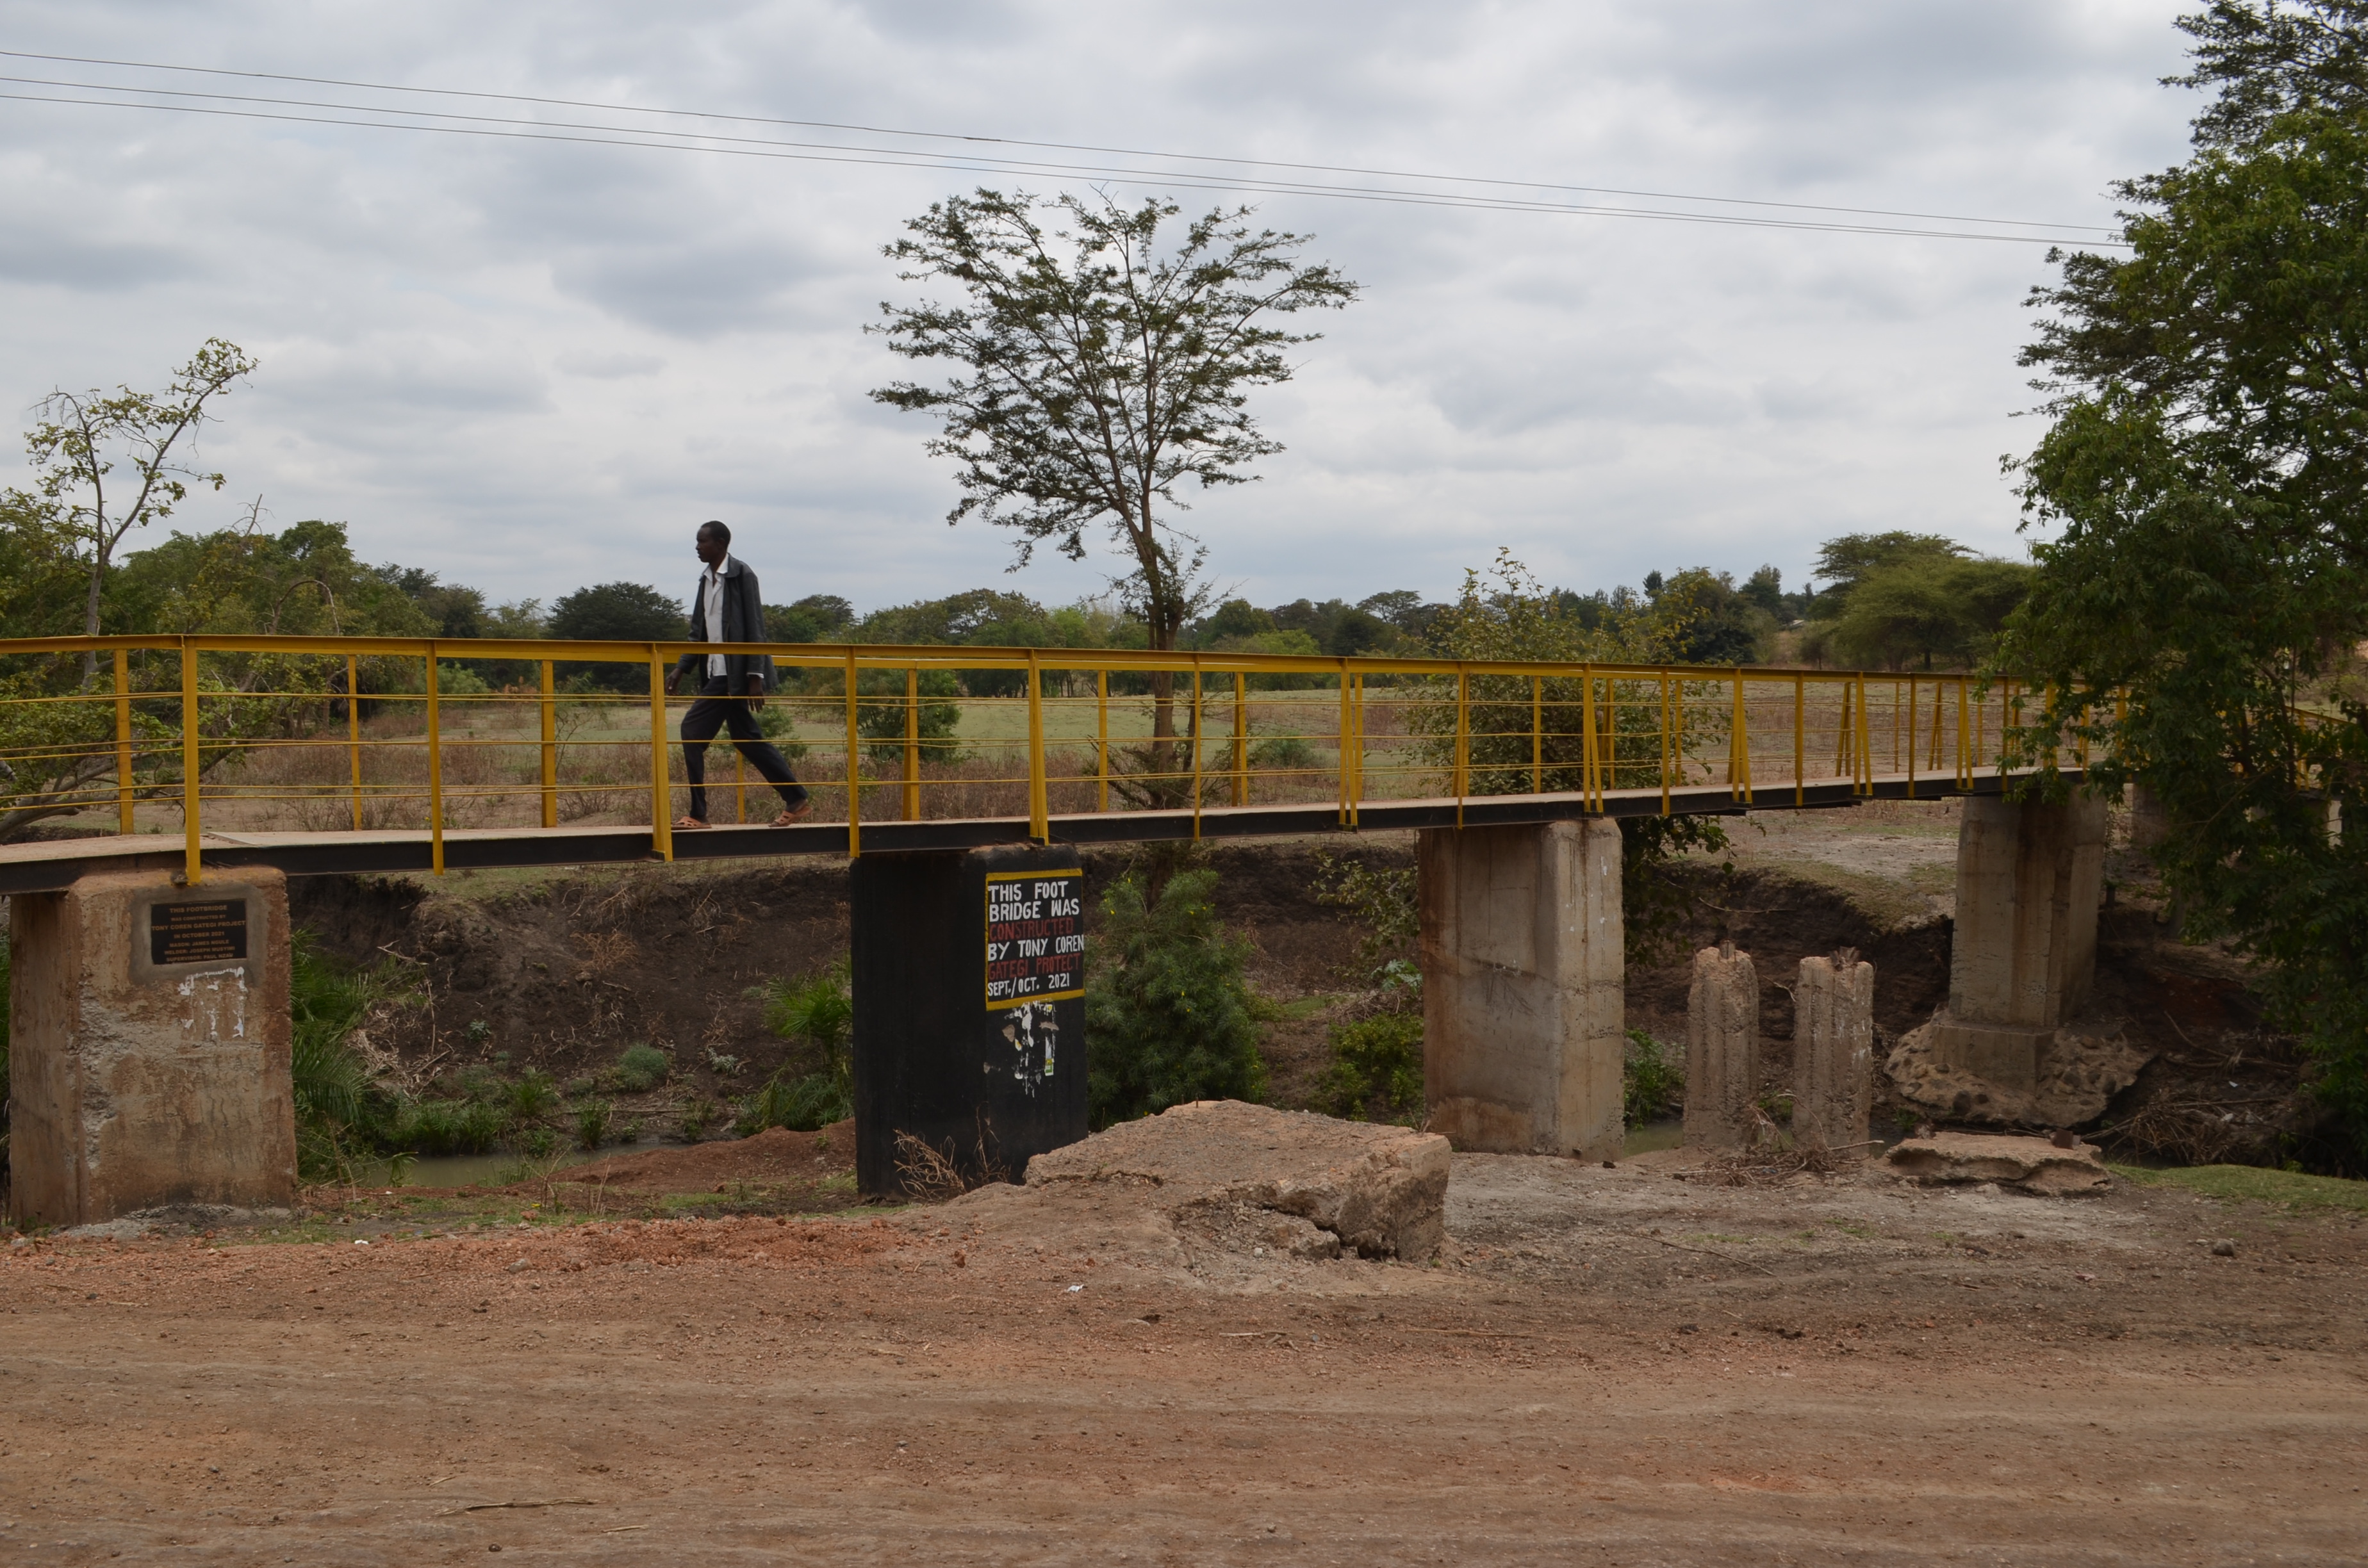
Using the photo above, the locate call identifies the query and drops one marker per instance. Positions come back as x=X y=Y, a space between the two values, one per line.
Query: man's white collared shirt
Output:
x=716 y=666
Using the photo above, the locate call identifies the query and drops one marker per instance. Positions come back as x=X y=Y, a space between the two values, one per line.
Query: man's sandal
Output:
x=792 y=814
x=688 y=825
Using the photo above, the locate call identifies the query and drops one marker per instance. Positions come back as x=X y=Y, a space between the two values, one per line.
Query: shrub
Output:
x=1284 y=754
x=340 y=1113
x=1376 y=1060
x=817 y=1010
x=801 y=1104
x=592 y=1118
x=529 y=1097
x=694 y=1115
x=450 y=1126
x=1652 y=1086
x=643 y=1068
x=1167 y=1013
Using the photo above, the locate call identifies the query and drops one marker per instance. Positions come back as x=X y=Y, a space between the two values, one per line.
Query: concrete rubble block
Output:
x=2078 y=1072
x=149 y=1047
x=2032 y=1164
x=1306 y=1186
x=1833 y=1051
x=1523 y=980
x=1721 y=1049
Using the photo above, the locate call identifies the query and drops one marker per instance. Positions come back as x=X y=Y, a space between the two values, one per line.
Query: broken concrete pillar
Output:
x=2024 y=951
x=1833 y=1051
x=149 y=1047
x=1523 y=970
x=2149 y=821
x=1721 y=1049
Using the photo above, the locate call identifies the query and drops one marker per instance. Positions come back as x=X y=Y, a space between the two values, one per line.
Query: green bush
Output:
x=643 y=1068
x=450 y=1126
x=592 y=1118
x=695 y=1115
x=1376 y=1061
x=1652 y=1086
x=1168 y=1014
x=530 y=1096
x=341 y=1115
x=818 y=1011
x=801 y=1104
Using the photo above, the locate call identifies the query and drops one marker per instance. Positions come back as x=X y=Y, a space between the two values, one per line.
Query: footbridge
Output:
x=160 y=789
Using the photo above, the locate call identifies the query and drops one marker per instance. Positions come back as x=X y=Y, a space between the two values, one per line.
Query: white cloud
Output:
x=535 y=365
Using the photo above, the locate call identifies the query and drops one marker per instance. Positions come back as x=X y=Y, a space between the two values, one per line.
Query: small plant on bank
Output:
x=592 y=1118
x=1652 y=1085
x=530 y=1096
x=642 y=1068
x=1376 y=1068
x=694 y=1114
x=817 y=1011
x=1168 y=1014
x=539 y=1143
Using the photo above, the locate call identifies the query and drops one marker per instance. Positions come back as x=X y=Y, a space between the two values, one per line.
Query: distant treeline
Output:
x=1885 y=600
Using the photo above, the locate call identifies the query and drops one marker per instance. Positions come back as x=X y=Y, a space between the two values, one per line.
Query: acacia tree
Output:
x=1097 y=370
x=2207 y=468
x=84 y=437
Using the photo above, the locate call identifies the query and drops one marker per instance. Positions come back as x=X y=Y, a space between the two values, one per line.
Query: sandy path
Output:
x=762 y=1391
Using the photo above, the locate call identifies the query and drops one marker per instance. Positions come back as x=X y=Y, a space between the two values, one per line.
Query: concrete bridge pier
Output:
x=149 y=1047
x=2024 y=951
x=1523 y=982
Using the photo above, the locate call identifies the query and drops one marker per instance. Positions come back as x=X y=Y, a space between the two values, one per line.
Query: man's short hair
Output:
x=723 y=534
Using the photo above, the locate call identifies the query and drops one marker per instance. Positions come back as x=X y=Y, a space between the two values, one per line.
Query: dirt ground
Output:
x=1608 y=1365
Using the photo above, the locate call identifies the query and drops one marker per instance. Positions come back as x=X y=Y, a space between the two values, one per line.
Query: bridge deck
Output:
x=51 y=864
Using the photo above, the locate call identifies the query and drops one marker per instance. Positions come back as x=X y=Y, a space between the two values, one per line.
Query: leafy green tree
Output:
x=1098 y=368
x=815 y=618
x=2206 y=477
x=1844 y=563
x=1932 y=608
x=616 y=612
x=84 y=439
x=1168 y=1016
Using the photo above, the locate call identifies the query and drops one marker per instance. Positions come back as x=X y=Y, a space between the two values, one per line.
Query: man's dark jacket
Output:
x=744 y=621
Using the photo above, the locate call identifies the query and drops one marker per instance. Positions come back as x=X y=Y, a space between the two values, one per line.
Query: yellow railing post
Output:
x=1101 y=740
x=550 y=751
x=912 y=744
x=1537 y=735
x=854 y=768
x=354 y=732
x=1357 y=775
x=1241 y=739
x=435 y=774
x=1863 y=782
x=1462 y=740
x=1667 y=740
x=1738 y=764
x=1345 y=684
x=122 y=741
x=1040 y=794
x=1799 y=738
x=1196 y=748
x=661 y=782
x=1912 y=736
x=191 y=871
x=1591 y=766
x=1965 y=741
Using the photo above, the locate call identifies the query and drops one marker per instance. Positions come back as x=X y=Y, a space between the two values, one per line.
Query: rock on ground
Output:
x=1248 y=1177
x=2034 y=1165
x=2078 y=1072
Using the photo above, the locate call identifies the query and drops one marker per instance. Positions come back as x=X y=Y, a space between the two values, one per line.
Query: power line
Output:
x=399 y=118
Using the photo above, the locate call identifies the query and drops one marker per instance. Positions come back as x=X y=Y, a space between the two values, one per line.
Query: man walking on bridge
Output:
x=727 y=609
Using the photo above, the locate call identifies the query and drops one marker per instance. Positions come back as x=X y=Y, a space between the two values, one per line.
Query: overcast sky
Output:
x=532 y=366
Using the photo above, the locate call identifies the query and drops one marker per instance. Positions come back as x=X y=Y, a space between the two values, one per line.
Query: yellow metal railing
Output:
x=264 y=734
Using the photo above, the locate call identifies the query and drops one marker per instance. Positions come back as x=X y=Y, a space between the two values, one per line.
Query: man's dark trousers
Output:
x=716 y=709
